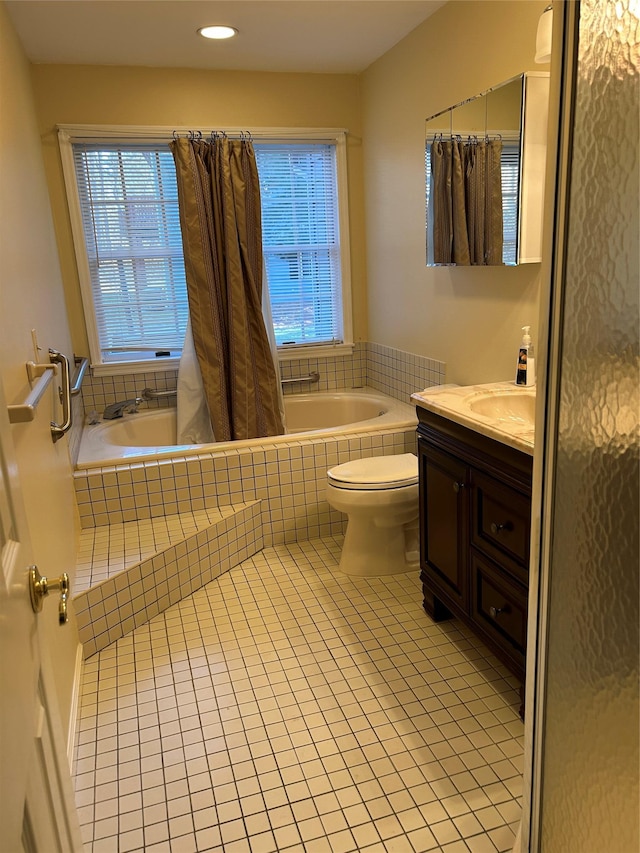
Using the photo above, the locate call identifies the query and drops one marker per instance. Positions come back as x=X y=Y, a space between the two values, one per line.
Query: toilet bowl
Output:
x=380 y=497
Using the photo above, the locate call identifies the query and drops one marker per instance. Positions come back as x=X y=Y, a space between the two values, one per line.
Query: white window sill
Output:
x=119 y=368
x=309 y=352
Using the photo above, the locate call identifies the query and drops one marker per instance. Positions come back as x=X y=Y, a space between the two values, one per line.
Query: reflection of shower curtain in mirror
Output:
x=467 y=201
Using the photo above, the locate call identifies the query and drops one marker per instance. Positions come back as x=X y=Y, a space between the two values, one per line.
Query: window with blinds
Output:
x=301 y=241
x=129 y=208
x=136 y=289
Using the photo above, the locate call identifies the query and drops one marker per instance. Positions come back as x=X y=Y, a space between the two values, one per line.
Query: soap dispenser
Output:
x=526 y=369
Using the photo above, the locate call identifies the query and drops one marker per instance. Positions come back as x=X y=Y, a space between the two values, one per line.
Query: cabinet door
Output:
x=444 y=501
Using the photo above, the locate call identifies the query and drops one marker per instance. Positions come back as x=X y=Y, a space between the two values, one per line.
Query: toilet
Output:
x=380 y=497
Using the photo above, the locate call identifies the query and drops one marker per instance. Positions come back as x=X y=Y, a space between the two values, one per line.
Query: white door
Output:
x=37 y=812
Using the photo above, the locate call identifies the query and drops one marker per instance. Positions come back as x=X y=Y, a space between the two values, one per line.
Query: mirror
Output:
x=484 y=163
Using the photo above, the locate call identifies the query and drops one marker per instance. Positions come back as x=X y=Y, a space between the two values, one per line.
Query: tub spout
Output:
x=117 y=410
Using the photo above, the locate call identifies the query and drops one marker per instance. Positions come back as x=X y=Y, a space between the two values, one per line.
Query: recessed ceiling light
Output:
x=218 y=32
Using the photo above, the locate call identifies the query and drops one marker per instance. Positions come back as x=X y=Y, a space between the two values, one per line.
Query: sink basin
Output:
x=517 y=407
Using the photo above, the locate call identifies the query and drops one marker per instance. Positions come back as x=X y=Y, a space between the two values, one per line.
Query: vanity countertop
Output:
x=500 y=410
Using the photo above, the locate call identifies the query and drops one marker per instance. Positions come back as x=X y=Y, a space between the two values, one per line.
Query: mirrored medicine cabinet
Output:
x=485 y=168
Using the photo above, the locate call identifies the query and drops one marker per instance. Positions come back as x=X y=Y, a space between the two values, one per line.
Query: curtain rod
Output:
x=92 y=132
x=198 y=135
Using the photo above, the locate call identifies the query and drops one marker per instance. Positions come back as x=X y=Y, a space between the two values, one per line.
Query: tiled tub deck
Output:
x=156 y=531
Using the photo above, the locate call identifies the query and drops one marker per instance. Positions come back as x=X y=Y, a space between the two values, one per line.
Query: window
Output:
x=301 y=241
x=129 y=206
x=129 y=246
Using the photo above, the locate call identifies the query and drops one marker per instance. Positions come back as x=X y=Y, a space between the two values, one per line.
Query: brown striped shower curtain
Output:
x=220 y=219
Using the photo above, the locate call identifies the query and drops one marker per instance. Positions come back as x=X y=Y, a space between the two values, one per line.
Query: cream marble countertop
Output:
x=503 y=411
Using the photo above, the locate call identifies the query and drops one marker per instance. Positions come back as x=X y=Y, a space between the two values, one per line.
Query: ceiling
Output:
x=320 y=36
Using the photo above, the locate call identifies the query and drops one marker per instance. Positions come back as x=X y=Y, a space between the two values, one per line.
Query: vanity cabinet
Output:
x=475 y=506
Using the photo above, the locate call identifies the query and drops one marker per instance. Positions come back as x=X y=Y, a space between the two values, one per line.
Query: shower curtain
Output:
x=467 y=201
x=220 y=220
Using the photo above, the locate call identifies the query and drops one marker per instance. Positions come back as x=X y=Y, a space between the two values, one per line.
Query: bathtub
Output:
x=152 y=434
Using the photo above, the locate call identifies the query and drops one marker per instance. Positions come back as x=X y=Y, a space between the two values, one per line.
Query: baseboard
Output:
x=75 y=706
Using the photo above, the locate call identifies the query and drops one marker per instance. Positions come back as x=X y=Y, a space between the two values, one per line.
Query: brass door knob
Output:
x=40 y=587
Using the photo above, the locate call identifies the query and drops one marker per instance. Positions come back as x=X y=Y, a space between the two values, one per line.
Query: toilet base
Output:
x=372 y=551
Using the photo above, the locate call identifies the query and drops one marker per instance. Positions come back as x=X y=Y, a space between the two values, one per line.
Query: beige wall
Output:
x=199 y=100
x=31 y=298
x=469 y=318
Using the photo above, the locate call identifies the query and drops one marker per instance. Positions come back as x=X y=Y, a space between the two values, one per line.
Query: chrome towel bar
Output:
x=312 y=377
x=22 y=413
x=58 y=430
x=40 y=376
x=152 y=394
x=81 y=365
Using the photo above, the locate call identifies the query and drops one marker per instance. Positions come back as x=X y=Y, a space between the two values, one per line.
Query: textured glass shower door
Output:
x=587 y=719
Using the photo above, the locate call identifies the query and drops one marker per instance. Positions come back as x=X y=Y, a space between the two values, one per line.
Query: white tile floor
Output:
x=287 y=707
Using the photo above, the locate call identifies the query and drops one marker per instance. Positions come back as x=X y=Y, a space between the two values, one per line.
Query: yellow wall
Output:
x=199 y=100
x=469 y=318
x=32 y=297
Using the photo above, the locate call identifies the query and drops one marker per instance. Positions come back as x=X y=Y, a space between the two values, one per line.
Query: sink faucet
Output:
x=117 y=410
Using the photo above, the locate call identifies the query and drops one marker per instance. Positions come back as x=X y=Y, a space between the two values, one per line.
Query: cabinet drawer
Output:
x=501 y=523
x=499 y=607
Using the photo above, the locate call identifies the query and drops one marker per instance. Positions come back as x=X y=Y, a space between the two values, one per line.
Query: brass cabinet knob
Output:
x=498 y=527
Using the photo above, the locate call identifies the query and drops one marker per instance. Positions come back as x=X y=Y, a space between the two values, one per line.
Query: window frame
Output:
x=68 y=134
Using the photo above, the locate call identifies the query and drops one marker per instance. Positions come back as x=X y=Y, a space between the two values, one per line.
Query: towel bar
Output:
x=40 y=375
x=312 y=377
x=81 y=365
x=58 y=430
x=22 y=413
x=152 y=394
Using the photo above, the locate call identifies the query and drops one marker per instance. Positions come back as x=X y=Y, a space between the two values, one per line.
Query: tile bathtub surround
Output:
x=128 y=573
x=77 y=423
x=338 y=372
x=399 y=374
x=100 y=391
x=287 y=707
x=289 y=479
x=386 y=369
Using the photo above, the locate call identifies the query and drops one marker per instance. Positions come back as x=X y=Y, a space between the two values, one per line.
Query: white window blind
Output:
x=129 y=208
x=301 y=241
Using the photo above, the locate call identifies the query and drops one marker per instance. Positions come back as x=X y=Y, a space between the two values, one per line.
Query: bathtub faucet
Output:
x=117 y=410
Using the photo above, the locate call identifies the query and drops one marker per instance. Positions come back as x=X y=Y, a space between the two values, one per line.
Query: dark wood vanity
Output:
x=475 y=507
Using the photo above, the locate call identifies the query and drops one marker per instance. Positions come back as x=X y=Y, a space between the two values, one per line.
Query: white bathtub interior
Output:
x=152 y=433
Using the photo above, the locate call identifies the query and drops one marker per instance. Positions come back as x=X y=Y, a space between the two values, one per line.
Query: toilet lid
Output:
x=376 y=472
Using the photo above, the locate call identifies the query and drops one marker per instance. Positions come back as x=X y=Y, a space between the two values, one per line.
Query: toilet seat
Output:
x=378 y=472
